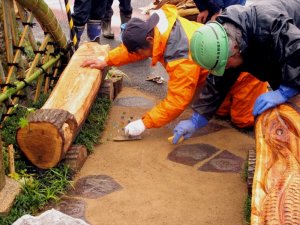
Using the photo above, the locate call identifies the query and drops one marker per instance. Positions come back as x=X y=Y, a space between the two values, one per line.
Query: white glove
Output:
x=135 y=128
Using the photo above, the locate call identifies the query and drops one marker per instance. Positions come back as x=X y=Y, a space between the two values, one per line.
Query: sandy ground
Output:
x=158 y=191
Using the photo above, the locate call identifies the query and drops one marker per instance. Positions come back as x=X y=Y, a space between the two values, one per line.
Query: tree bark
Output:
x=52 y=129
x=2 y=172
x=276 y=184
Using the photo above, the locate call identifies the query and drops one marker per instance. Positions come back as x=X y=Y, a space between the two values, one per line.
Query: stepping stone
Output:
x=192 y=154
x=95 y=186
x=134 y=102
x=72 y=207
x=224 y=162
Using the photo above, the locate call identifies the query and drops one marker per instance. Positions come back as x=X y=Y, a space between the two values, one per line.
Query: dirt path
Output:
x=149 y=182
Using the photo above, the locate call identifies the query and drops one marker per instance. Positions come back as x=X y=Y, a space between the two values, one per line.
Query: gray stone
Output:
x=8 y=195
x=134 y=102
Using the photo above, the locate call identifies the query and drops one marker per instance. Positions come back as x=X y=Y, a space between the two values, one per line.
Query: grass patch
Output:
x=39 y=187
x=247 y=209
x=94 y=124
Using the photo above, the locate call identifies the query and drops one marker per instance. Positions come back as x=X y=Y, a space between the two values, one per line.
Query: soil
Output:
x=155 y=189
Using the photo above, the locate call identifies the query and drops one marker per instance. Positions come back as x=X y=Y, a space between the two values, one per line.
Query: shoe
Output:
x=79 y=31
x=106 y=28
x=94 y=30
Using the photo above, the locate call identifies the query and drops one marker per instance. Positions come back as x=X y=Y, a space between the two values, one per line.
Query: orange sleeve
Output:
x=120 y=56
x=182 y=84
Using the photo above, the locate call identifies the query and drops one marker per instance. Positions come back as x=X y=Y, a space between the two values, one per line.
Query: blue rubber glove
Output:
x=273 y=98
x=186 y=128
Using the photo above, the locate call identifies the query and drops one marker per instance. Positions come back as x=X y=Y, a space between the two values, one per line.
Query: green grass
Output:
x=39 y=187
x=247 y=209
x=94 y=124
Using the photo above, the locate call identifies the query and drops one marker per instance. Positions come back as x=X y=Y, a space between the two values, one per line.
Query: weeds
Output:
x=39 y=187
x=94 y=124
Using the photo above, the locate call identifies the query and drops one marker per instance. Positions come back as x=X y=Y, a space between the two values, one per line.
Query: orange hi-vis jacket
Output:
x=172 y=37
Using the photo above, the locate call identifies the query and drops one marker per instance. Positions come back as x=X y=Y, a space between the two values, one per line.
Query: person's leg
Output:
x=244 y=93
x=106 y=21
x=94 y=23
x=81 y=16
x=125 y=10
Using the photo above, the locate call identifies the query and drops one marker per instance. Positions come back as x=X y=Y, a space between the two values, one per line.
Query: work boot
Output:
x=124 y=18
x=106 y=28
x=79 y=31
x=94 y=30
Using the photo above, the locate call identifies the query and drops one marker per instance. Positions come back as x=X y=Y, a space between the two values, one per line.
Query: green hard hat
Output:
x=209 y=47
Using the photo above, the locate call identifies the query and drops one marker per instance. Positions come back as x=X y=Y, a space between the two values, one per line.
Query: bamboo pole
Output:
x=7 y=29
x=45 y=16
x=23 y=17
x=18 y=52
x=13 y=22
x=37 y=57
x=20 y=84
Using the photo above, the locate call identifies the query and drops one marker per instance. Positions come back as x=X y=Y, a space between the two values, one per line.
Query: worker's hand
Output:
x=273 y=98
x=202 y=16
x=135 y=128
x=186 y=128
x=95 y=63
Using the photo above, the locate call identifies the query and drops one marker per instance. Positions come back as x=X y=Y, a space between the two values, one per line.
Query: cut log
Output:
x=276 y=183
x=52 y=128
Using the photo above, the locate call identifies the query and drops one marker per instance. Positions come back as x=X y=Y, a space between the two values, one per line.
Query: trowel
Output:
x=127 y=138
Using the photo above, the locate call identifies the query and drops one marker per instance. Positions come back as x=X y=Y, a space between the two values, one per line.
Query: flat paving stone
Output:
x=224 y=162
x=192 y=154
x=209 y=128
x=95 y=186
x=72 y=207
x=134 y=102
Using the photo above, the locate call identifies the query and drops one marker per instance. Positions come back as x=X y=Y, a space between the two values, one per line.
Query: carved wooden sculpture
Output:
x=276 y=184
x=52 y=129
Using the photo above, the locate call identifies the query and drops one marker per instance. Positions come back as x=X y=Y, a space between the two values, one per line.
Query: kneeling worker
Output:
x=165 y=37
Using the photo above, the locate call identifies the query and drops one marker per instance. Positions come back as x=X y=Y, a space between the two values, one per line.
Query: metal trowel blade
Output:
x=127 y=138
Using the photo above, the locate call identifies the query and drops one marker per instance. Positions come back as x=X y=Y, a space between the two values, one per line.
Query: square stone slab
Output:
x=192 y=154
x=224 y=162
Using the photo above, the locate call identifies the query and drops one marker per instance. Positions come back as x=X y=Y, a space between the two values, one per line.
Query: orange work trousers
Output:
x=240 y=100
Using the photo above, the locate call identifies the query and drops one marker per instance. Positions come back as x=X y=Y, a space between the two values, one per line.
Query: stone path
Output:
x=151 y=182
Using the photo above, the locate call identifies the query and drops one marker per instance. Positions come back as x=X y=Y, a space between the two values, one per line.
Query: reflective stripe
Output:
x=163 y=22
x=177 y=46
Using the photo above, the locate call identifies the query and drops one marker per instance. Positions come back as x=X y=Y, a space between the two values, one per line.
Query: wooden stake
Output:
x=11 y=159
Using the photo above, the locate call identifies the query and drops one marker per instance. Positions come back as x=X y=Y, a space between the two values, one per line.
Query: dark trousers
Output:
x=85 y=10
x=124 y=5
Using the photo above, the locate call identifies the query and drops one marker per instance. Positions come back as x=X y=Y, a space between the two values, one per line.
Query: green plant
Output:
x=94 y=124
x=37 y=191
x=247 y=209
x=42 y=186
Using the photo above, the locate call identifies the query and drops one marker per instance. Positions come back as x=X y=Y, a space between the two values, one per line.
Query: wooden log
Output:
x=52 y=128
x=276 y=184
